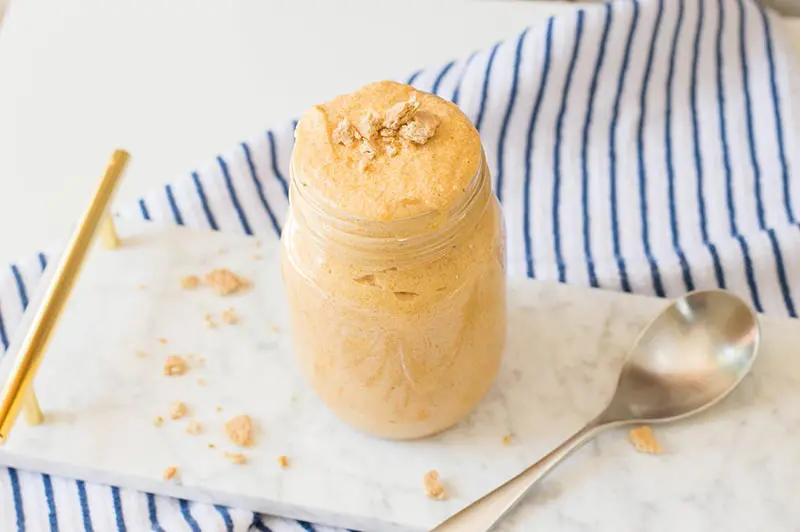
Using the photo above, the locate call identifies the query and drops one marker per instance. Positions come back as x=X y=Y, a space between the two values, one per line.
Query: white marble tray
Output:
x=735 y=468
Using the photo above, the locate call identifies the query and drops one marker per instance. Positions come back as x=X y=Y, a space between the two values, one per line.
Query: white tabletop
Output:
x=177 y=82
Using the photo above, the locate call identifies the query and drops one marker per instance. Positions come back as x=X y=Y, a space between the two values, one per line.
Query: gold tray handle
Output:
x=18 y=391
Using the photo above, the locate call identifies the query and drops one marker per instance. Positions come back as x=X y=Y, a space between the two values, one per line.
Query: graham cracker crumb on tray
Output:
x=174 y=365
x=229 y=316
x=225 y=282
x=194 y=427
x=190 y=281
x=643 y=440
x=170 y=472
x=177 y=410
x=240 y=430
x=434 y=489
x=236 y=458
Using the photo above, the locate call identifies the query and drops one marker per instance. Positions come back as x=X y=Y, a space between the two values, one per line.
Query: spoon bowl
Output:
x=692 y=355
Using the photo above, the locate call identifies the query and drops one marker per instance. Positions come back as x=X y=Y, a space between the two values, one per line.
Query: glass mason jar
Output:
x=399 y=326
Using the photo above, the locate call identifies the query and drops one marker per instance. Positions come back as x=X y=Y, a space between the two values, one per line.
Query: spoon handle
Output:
x=487 y=511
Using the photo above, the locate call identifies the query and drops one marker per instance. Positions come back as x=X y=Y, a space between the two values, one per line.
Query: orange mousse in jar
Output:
x=394 y=261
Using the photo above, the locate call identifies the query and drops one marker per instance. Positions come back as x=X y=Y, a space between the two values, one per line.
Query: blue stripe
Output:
x=173 y=205
x=698 y=159
x=562 y=268
x=776 y=103
x=187 y=515
x=52 y=516
x=440 y=77
x=623 y=273
x=723 y=133
x=204 y=201
x=143 y=208
x=258 y=524
x=587 y=241
x=226 y=517
x=749 y=115
x=782 y=279
x=275 y=166
x=673 y=215
x=118 y=515
x=658 y=286
x=17 y=495
x=413 y=77
x=306 y=526
x=526 y=195
x=86 y=512
x=260 y=189
x=42 y=261
x=23 y=294
x=485 y=89
x=507 y=118
x=722 y=126
x=457 y=90
x=294 y=125
x=152 y=513
x=749 y=273
x=234 y=198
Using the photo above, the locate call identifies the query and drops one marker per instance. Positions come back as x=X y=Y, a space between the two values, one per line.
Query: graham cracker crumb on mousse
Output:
x=240 y=430
x=434 y=489
x=644 y=441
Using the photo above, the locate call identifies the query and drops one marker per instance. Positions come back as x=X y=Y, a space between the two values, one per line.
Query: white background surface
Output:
x=176 y=82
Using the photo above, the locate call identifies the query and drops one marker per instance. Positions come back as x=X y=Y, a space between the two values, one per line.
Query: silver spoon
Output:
x=690 y=357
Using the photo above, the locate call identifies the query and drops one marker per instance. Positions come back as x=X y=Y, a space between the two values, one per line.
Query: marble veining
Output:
x=736 y=467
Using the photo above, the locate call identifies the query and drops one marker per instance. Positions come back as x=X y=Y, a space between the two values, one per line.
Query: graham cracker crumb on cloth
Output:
x=158 y=421
x=240 y=430
x=283 y=461
x=170 y=473
x=162 y=340
x=643 y=440
x=208 y=321
x=434 y=489
x=225 y=282
x=194 y=427
x=174 y=365
x=507 y=439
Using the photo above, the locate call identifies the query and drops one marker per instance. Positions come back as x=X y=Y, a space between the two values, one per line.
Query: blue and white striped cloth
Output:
x=643 y=146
